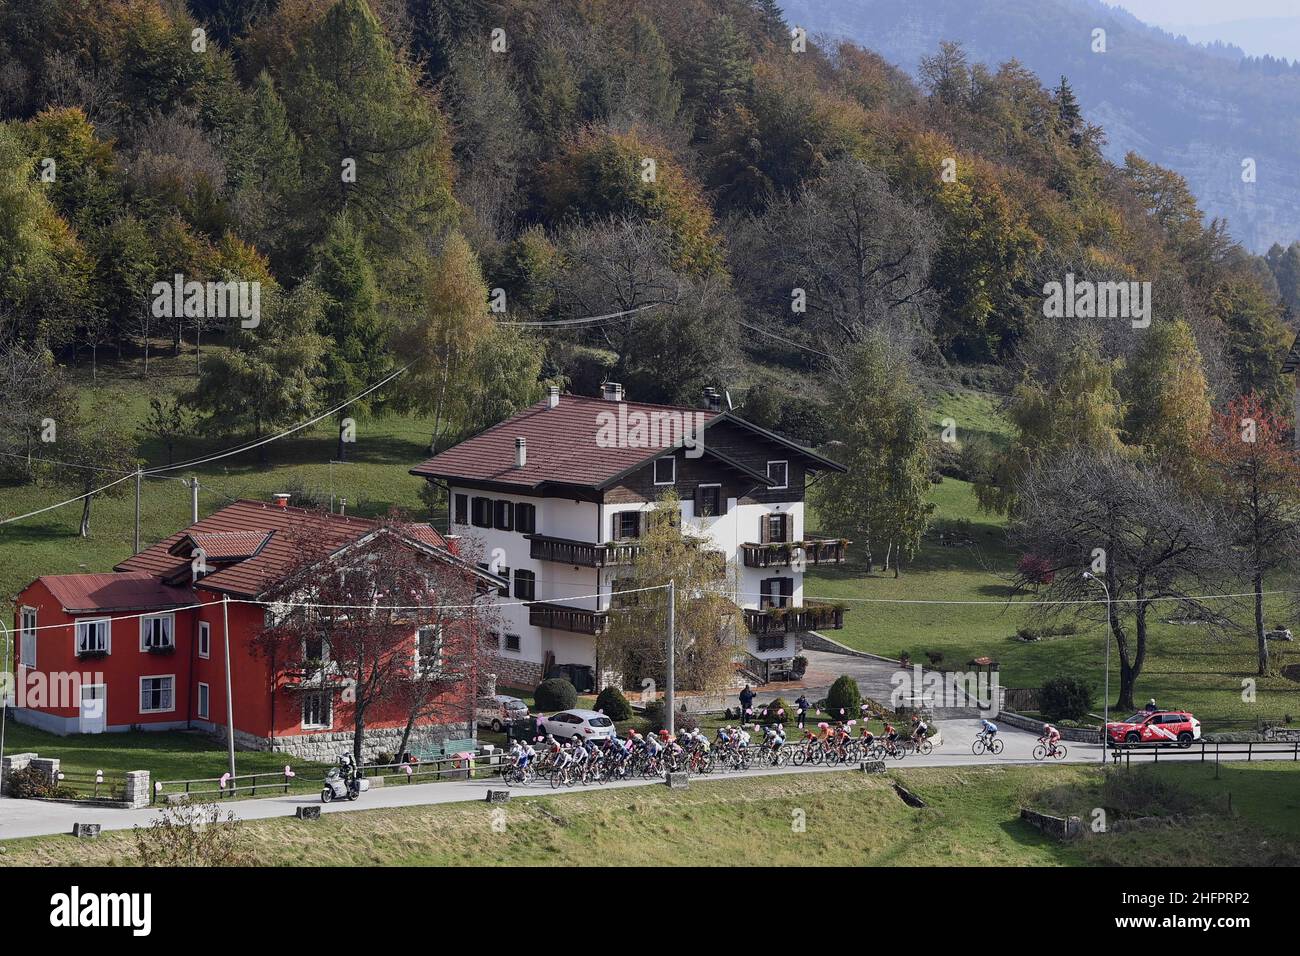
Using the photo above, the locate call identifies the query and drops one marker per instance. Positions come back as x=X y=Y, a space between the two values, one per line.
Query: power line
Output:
x=781 y=338
x=587 y=320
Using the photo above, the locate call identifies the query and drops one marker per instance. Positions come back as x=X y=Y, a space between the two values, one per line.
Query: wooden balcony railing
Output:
x=582 y=554
x=782 y=554
x=565 y=618
x=809 y=617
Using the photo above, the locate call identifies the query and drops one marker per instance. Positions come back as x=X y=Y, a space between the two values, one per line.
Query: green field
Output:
x=793 y=820
x=1185 y=667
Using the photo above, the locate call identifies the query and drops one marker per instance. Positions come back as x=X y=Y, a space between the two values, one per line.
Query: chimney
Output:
x=281 y=500
x=613 y=392
x=712 y=400
x=552 y=396
x=521 y=452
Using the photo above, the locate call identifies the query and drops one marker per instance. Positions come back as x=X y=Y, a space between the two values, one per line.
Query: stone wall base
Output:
x=325 y=747
x=514 y=672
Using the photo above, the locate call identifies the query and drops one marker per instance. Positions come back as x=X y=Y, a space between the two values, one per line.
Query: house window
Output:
x=317 y=710
x=205 y=639
x=775 y=592
x=526 y=518
x=481 y=512
x=156 y=694
x=494 y=640
x=428 y=650
x=708 y=501
x=771 y=642
x=512 y=642
x=775 y=528
x=461 y=514
x=156 y=633
x=93 y=636
x=502 y=513
x=313 y=648
x=627 y=524
x=204 y=699
x=778 y=473
x=27 y=651
x=665 y=471
x=525 y=585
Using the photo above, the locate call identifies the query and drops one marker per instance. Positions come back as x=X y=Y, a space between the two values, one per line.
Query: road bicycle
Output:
x=1042 y=752
x=986 y=743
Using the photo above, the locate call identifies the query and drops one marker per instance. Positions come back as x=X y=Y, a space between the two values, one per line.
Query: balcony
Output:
x=581 y=554
x=780 y=554
x=565 y=618
x=810 y=617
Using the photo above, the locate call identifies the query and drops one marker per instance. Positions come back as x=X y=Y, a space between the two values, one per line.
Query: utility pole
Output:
x=670 y=699
x=4 y=695
x=138 y=475
x=230 y=704
x=1105 y=720
x=194 y=500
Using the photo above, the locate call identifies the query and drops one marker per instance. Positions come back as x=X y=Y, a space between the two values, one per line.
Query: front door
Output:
x=93 y=716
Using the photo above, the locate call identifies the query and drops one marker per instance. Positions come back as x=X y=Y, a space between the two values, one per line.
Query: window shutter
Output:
x=722 y=501
x=787 y=591
x=764 y=530
x=787 y=528
x=765 y=593
x=699 y=501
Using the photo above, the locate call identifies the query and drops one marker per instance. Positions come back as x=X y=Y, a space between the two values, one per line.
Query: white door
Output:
x=93 y=717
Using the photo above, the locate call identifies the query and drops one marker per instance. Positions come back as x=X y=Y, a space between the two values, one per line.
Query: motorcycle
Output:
x=343 y=781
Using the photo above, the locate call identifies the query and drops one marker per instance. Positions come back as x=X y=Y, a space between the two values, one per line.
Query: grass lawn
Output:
x=167 y=755
x=847 y=819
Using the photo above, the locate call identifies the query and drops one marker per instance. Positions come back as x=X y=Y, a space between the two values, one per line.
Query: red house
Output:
x=145 y=647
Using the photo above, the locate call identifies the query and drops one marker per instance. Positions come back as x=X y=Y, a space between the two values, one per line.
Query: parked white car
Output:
x=587 y=724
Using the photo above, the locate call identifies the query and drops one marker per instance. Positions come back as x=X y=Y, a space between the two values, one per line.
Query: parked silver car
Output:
x=497 y=711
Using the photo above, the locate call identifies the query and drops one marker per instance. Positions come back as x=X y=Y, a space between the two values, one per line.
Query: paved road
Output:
x=25 y=818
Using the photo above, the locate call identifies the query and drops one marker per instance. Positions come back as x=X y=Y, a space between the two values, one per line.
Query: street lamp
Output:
x=1105 y=720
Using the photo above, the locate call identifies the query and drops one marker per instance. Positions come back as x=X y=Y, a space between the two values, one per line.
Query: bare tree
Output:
x=859 y=252
x=1148 y=539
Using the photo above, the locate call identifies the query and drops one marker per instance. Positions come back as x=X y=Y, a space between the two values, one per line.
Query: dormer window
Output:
x=778 y=473
x=665 y=470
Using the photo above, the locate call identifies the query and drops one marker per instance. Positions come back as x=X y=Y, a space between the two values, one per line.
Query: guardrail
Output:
x=1204 y=750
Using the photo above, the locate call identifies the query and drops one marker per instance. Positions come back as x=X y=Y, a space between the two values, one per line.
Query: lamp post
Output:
x=1105 y=720
x=6 y=637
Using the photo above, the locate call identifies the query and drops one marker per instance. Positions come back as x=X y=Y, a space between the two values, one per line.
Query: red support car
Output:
x=1156 y=727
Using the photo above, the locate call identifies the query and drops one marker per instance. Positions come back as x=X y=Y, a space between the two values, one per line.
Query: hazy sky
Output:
x=1161 y=12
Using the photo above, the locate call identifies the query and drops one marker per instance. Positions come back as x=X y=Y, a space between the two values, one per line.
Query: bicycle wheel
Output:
x=926 y=748
x=557 y=779
x=977 y=748
x=1040 y=752
x=799 y=756
x=1060 y=753
x=996 y=746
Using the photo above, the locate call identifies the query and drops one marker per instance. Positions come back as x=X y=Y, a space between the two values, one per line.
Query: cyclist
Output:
x=891 y=736
x=920 y=731
x=1050 y=736
x=988 y=729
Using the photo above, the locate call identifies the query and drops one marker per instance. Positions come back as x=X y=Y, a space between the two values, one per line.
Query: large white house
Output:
x=557 y=496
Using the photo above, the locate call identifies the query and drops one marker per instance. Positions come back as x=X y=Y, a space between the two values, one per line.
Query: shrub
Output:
x=799 y=666
x=844 y=695
x=767 y=714
x=31 y=783
x=613 y=704
x=656 y=718
x=1065 y=698
x=555 y=693
x=192 y=834
x=934 y=657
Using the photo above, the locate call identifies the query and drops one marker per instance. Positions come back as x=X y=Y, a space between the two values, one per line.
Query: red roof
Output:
x=565 y=444
x=278 y=534
x=137 y=591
